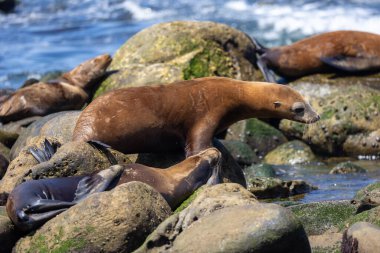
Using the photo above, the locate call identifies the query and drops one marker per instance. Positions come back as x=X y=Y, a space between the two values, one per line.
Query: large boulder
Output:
x=227 y=218
x=115 y=221
x=349 y=122
x=181 y=50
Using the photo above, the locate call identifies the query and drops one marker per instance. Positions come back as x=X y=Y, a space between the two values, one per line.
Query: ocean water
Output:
x=49 y=35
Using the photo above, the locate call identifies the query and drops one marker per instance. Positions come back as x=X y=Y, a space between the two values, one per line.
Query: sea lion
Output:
x=34 y=202
x=69 y=92
x=184 y=115
x=339 y=51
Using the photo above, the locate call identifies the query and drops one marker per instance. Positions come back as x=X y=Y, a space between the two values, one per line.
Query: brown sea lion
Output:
x=34 y=202
x=70 y=92
x=184 y=115
x=347 y=51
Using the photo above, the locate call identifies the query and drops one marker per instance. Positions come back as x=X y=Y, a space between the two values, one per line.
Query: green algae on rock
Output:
x=349 y=118
x=241 y=152
x=181 y=50
x=347 y=167
x=293 y=152
x=260 y=136
x=318 y=217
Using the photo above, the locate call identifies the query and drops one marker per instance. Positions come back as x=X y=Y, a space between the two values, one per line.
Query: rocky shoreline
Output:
x=222 y=218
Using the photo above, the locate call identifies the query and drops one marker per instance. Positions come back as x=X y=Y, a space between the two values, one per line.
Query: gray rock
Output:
x=241 y=152
x=259 y=170
x=347 y=167
x=269 y=188
x=181 y=50
x=8 y=234
x=361 y=237
x=115 y=221
x=293 y=152
x=59 y=125
x=227 y=218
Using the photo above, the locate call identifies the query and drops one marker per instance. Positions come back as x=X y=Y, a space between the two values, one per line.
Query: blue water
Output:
x=48 y=35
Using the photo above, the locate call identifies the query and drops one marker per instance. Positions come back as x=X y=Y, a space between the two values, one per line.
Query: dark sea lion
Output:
x=70 y=92
x=34 y=202
x=184 y=115
x=347 y=51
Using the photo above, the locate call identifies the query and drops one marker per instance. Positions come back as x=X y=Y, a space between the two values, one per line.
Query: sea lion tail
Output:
x=44 y=153
x=102 y=147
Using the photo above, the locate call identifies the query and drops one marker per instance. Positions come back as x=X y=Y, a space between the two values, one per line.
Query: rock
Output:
x=269 y=188
x=7 y=5
x=260 y=136
x=293 y=152
x=114 y=221
x=181 y=50
x=247 y=226
x=259 y=170
x=363 y=144
x=241 y=152
x=8 y=234
x=58 y=125
x=18 y=126
x=3 y=165
x=326 y=242
x=318 y=217
x=368 y=197
x=8 y=138
x=74 y=158
x=371 y=216
x=349 y=114
x=347 y=167
x=361 y=237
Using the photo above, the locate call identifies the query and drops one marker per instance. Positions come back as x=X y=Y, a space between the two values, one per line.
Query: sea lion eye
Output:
x=298 y=108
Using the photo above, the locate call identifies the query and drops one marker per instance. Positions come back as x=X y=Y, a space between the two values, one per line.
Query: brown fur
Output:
x=305 y=56
x=183 y=115
x=68 y=93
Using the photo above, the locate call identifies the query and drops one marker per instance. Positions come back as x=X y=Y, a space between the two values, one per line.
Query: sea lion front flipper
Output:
x=352 y=64
x=98 y=182
x=45 y=153
x=102 y=147
x=44 y=205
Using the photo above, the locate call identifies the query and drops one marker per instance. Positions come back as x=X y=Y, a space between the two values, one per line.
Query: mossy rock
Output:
x=372 y=216
x=181 y=50
x=293 y=152
x=347 y=167
x=349 y=118
x=241 y=152
x=260 y=136
x=368 y=197
x=270 y=188
x=319 y=217
x=260 y=170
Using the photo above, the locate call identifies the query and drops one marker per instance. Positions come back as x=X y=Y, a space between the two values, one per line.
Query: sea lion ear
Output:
x=277 y=104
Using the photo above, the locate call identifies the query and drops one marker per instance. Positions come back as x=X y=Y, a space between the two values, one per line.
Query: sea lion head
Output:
x=289 y=104
x=87 y=72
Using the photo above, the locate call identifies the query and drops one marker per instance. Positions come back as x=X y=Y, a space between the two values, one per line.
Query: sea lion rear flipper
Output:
x=97 y=183
x=43 y=154
x=352 y=64
x=267 y=73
